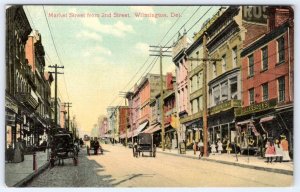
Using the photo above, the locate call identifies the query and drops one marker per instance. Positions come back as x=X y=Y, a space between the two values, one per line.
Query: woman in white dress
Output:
x=278 y=151
x=220 y=146
x=213 y=148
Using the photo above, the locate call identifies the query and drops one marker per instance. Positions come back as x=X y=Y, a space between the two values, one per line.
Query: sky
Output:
x=101 y=54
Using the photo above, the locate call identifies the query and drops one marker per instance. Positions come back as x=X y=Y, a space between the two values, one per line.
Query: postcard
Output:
x=149 y=96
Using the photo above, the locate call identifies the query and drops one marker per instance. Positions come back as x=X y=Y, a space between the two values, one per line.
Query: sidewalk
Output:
x=17 y=174
x=252 y=162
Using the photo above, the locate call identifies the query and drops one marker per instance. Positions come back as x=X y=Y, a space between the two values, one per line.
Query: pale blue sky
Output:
x=101 y=55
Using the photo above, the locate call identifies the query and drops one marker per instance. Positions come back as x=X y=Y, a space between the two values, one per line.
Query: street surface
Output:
x=118 y=168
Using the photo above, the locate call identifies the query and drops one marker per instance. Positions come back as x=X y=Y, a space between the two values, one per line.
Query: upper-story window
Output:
x=214 y=69
x=233 y=88
x=200 y=79
x=224 y=91
x=201 y=103
x=224 y=65
x=234 y=57
x=216 y=95
x=250 y=65
x=264 y=53
x=251 y=96
x=280 y=50
x=265 y=92
x=281 y=89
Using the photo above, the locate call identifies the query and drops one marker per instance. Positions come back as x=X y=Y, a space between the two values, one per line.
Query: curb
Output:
x=31 y=176
x=281 y=171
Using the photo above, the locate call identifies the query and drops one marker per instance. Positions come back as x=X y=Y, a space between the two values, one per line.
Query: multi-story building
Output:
x=139 y=103
x=267 y=77
x=123 y=120
x=20 y=99
x=181 y=86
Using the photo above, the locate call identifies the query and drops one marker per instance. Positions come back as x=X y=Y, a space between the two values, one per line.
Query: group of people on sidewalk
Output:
x=279 y=150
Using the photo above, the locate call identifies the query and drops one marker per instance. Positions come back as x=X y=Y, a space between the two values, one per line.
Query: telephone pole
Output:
x=68 y=104
x=55 y=90
x=161 y=52
x=204 y=91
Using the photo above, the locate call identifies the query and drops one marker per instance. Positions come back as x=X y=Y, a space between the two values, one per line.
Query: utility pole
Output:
x=68 y=104
x=204 y=91
x=161 y=53
x=55 y=92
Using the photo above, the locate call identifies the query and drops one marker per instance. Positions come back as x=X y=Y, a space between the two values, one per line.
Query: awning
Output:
x=140 y=128
x=244 y=122
x=123 y=135
x=156 y=128
x=148 y=130
x=265 y=119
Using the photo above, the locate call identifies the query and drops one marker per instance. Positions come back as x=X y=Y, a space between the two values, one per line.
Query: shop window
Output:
x=280 y=49
x=265 y=91
x=264 y=58
x=233 y=88
x=251 y=96
x=281 y=89
x=250 y=66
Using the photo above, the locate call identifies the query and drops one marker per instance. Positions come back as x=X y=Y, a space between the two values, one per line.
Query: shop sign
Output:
x=225 y=106
x=191 y=117
x=255 y=14
x=256 y=107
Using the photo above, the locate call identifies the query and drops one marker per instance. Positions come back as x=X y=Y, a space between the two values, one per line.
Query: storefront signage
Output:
x=225 y=106
x=191 y=117
x=256 y=14
x=256 y=107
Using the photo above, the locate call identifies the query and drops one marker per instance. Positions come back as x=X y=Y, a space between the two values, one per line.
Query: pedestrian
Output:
x=213 y=148
x=278 y=151
x=10 y=154
x=220 y=146
x=18 y=153
x=201 y=148
x=96 y=147
x=228 y=147
x=194 y=147
x=285 y=148
x=270 y=151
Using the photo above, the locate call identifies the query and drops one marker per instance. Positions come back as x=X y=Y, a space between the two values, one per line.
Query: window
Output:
x=224 y=63
x=233 y=88
x=251 y=96
x=251 y=66
x=201 y=103
x=214 y=67
x=281 y=89
x=234 y=57
x=216 y=95
x=280 y=49
x=195 y=106
x=200 y=79
x=265 y=92
x=224 y=91
x=264 y=58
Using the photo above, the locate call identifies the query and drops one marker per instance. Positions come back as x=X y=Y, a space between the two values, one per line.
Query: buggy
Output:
x=144 y=144
x=95 y=146
x=62 y=147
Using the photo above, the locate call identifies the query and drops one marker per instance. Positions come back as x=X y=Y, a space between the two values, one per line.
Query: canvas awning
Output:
x=156 y=128
x=140 y=128
x=265 y=119
x=148 y=130
x=244 y=122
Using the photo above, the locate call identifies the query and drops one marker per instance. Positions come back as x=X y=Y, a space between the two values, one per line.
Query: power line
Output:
x=55 y=49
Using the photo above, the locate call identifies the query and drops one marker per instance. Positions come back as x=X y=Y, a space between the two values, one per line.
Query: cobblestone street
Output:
x=118 y=168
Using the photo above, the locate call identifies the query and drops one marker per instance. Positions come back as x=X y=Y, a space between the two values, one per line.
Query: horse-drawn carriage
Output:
x=62 y=147
x=144 y=144
x=94 y=146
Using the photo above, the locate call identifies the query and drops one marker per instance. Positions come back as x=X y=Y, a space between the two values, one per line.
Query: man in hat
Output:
x=285 y=148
